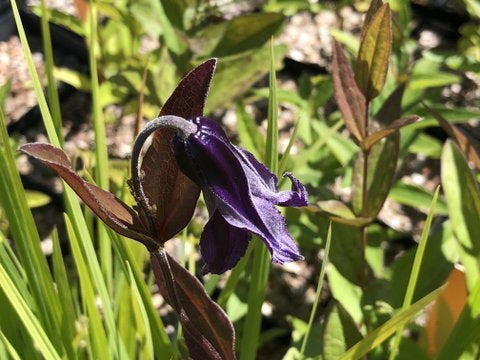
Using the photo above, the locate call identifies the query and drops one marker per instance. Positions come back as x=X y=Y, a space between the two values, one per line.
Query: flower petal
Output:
x=222 y=244
x=233 y=186
x=298 y=196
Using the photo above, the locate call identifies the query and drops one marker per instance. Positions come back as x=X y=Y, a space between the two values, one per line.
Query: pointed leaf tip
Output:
x=374 y=54
x=111 y=210
x=350 y=99
x=168 y=190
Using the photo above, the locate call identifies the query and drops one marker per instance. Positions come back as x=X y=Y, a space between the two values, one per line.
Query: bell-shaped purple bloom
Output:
x=240 y=193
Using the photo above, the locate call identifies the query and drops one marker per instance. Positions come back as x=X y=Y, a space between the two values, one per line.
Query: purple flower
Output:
x=240 y=193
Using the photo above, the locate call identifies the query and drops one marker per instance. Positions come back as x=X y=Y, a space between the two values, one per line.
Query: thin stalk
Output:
x=319 y=290
x=366 y=154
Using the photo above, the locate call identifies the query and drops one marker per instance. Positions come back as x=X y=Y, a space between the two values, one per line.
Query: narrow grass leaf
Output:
x=54 y=101
x=9 y=347
x=382 y=333
x=30 y=321
x=161 y=343
x=318 y=292
x=26 y=238
x=66 y=298
x=286 y=155
x=97 y=335
x=145 y=334
x=417 y=262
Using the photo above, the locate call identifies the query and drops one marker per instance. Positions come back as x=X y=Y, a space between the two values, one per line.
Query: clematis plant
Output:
x=190 y=153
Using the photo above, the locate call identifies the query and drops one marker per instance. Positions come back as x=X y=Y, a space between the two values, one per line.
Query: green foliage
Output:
x=92 y=296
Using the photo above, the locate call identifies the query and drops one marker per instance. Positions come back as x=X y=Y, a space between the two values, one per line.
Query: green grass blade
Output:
x=318 y=292
x=161 y=343
x=417 y=262
x=49 y=66
x=71 y=201
x=286 y=154
x=9 y=347
x=382 y=333
x=233 y=279
x=42 y=102
x=97 y=336
x=31 y=323
x=27 y=240
x=271 y=151
x=261 y=256
x=101 y=151
x=65 y=295
x=145 y=334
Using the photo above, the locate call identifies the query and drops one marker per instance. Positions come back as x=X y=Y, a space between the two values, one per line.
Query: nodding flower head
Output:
x=240 y=193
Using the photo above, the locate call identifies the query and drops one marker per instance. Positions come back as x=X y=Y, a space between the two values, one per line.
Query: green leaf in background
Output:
x=31 y=323
x=248 y=132
x=340 y=332
x=235 y=76
x=382 y=333
x=382 y=163
x=441 y=255
x=415 y=196
x=337 y=208
x=374 y=54
x=351 y=42
x=36 y=199
x=247 y=32
x=463 y=201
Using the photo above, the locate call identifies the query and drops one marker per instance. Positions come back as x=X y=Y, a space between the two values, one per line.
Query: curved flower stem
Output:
x=184 y=129
x=161 y=256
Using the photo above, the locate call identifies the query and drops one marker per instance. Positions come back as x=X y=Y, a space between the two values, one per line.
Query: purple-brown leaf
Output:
x=172 y=194
x=209 y=334
x=349 y=98
x=111 y=210
x=382 y=133
x=469 y=146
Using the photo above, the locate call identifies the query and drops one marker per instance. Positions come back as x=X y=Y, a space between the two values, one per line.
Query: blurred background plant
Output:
x=60 y=299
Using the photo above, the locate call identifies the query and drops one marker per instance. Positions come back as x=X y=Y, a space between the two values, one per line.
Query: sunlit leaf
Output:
x=374 y=54
x=463 y=201
x=382 y=163
x=340 y=332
